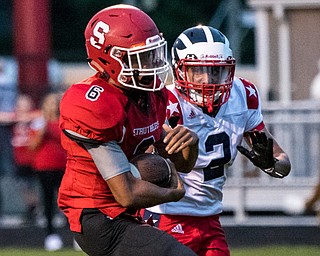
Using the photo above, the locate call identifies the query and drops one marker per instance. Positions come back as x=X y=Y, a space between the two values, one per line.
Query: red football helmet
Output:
x=124 y=43
x=203 y=66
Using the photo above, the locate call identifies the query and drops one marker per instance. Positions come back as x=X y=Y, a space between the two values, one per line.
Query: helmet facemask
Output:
x=206 y=83
x=143 y=67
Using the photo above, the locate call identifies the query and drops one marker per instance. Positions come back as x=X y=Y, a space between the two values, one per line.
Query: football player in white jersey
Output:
x=223 y=110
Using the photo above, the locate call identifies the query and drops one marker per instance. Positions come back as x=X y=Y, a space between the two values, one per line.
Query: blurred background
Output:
x=275 y=43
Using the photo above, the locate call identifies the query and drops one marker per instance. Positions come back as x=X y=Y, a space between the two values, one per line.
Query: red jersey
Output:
x=50 y=156
x=22 y=132
x=102 y=112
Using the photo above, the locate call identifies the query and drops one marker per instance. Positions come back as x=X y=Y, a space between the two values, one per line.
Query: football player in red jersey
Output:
x=105 y=121
x=222 y=109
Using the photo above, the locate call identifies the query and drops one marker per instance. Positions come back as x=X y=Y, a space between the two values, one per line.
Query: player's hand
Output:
x=261 y=154
x=178 y=138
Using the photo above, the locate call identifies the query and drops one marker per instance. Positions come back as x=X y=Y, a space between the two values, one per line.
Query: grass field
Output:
x=278 y=251
x=259 y=251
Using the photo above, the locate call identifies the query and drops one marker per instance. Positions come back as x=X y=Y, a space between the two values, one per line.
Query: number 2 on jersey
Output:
x=215 y=168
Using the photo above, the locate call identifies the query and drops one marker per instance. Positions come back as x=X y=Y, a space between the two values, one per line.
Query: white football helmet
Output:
x=203 y=66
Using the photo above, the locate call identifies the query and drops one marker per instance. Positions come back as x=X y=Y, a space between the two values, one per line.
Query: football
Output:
x=153 y=168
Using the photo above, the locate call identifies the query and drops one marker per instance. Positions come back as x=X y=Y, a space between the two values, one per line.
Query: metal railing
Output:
x=296 y=127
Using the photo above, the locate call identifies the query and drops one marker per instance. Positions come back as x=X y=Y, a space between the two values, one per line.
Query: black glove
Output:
x=261 y=154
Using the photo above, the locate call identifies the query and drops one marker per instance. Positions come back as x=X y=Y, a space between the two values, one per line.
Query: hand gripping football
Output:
x=153 y=168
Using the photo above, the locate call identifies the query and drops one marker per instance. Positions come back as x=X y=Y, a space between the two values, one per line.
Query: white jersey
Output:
x=218 y=138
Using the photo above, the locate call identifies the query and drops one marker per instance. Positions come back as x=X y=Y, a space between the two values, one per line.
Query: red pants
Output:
x=204 y=235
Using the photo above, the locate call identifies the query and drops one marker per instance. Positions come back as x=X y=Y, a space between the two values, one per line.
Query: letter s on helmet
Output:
x=203 y=66
x=124 y=44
